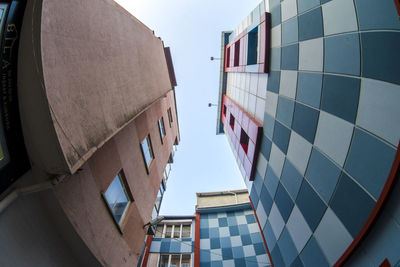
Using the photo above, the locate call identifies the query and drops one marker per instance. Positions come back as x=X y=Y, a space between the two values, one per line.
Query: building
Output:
x=308 y=100
x=88 y=130
x=224 y=232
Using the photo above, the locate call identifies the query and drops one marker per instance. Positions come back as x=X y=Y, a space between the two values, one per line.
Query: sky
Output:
x=192 y=29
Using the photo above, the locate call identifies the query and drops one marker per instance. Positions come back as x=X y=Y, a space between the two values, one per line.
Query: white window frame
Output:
x=170 y=258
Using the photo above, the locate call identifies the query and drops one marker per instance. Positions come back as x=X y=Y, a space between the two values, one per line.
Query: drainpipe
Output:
x=22 y=191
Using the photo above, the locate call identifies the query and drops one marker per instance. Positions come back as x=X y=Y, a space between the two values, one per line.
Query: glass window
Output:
x=147 y=151
x=177 y=231
x=185 y=231
x=161 y=128
x=159 y=230
x=185 y=260
x=170 y=119
x=175 y=260
x=117 y=198
x=252 y=44
x=168 y=232
x=164 y=261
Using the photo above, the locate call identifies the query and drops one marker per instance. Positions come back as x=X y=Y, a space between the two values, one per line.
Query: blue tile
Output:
x=312 y=255
x=290 y=57
x=205 y=264
x=266 y=199
x=175 y=247
x=275 y=15
x=369 y=161
x=234 y=230
x=269 y=124
x=275 y=58
x=269 y=236
x=212 y=216
x=305 y=121
x=271 y=182
x=305 y=5
x=256 y=238
x=284 y=112
x=325 y=1
x=340 y=96
x=250 y=262
x=342 y=54
x=277 y=257
x=214 y=232
x=203 y=222
x=310 y=25
x=246 y=239
x=309 y=87
x=310 y=205
x=266 y=146
x=254 y=197
x=257 y=183
x=291 y=179
x=239 y=213
x=216 y=264
x=205 y=257
x=250 y=218
x=283 y=202
x=204 y=233
x=259 y=248
x=374 y=14
x=297 y=263
x=285 y=244
x=322 y=174
x=243 y=229
x=230 y=214
x=281 y=137
x=381 y=55
x=225 y=242
x=290 y=31
x=274 y=80
x=222 y=222
x=238 y=252
x=351 y=204
x=214 y=243
x=165 y=245
x=227 y=253
x=240 y=262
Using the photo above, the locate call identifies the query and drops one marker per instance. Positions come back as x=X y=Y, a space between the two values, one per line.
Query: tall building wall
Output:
x=330 y=133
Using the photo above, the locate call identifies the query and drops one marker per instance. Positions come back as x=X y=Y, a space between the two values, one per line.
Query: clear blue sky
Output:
x=204 y=161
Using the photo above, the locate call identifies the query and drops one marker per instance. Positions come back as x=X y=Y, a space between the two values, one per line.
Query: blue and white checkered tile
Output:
x=169 y=245
x=331 y=126
x=236 y=242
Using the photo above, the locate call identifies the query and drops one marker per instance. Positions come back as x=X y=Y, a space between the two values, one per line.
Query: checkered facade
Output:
x=330 y=131
x=172 y=245
x=231 y=238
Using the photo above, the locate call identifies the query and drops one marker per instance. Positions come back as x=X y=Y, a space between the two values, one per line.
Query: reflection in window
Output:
x=164 y=261
x=170 y=119
x=147 y=151
x=161 y=128
x=117 y=199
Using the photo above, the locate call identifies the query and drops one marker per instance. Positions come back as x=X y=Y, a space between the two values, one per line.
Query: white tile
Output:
x=262 y=216
x=216 y=254
x=332 y=236
x=276 y=160
x=247 y=83
x=288 y=83
x=253 y=84
x=205 y=243
x=339 y=16
x=276 y=36
x=228 y=263
x=276 y=221
x=263 y=260
x=252 y=105
x=333 y=136
x=299 y=152
x=379 y=110
x=253 y=228
x=249 y=251
x=298 y=229
x=213 y=223
x=224 y=232
x=289 y=9
x=236 y=241
x=221 y=215
x=241 y=220
x=311 y=55
x=262 y=85
x=260 y=107
x=271 y=102
x=261 y=165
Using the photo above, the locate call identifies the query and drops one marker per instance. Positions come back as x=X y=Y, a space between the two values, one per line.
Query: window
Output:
x=224 y=110
x=237 y=54
x=175 y=230
x=147 y=151
x=170 y=119
x=174 y=260
x=185 y=231
x=228 y=57
x=157 y=204
x=161 y=128
x=252 y=46
x=117 y=198
x=232 y=121
x=244 y=140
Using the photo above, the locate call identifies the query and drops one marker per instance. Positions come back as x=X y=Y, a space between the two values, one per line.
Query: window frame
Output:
x=173 y=225
x=232 y=121
x=161 y=129
x=125 y=188
x=150 y=146
x=170 y=258
x=170 y=118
